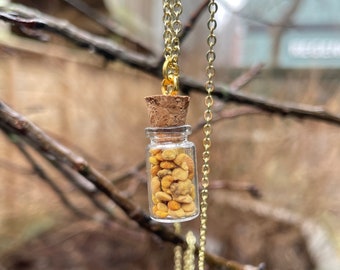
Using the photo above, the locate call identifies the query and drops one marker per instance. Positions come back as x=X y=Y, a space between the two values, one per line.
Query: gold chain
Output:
x=207 y=129
x=178 y=250
x=172 y=9
x=185 y=261
x=189 y=254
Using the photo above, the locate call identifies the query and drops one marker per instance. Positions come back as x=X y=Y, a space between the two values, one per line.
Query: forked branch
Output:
x=13 y=122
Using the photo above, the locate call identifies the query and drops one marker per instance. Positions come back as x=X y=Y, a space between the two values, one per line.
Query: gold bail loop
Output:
x=170 y=83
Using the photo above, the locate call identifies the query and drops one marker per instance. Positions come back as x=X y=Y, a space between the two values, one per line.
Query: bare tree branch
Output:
x=111 y=51
x=279 y=30
x=245 y=78
x=256 y=20
x=301 y=111
x=13 y=122
x=99 y=164
x=236 y=186
x=33 y=19
x=108 y=24
x=193 y=19
x=228 y=114
x=45 y=177
x=13 y=167
x=130 y=172
x=74 y=179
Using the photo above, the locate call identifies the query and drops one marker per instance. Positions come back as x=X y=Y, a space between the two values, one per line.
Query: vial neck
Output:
x=168 y=134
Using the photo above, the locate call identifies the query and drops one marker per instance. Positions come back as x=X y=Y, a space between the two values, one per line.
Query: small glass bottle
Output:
x=172 y=174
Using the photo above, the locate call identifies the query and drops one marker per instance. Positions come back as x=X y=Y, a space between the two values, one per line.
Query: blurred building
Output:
x=305 y=35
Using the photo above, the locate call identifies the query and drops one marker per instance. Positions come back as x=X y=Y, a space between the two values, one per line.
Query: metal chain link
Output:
x=172 y=9
x=167 y=34
x=177 y=28
x=207 y=130
x=189 y=254
x=178 y=250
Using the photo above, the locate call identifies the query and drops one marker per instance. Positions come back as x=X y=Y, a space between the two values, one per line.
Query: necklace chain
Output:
x=172 y=9
x=178 y=257
x=207 y=129
x=189 y=254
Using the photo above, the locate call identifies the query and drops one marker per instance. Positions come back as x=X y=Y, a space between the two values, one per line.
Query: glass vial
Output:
x=172 y=174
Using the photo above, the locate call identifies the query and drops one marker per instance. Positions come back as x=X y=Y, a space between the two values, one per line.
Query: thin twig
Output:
x=192 y=20
x=236 y=186
x=45 y=177
x=108 y=24
x=100 y=164
x=129 y=173
x=245 y=78
x=228 y=114
x=238 y=83
x=10 y=166
x=72 y=177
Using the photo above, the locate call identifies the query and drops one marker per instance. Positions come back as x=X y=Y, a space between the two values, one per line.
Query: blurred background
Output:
x=97 y=109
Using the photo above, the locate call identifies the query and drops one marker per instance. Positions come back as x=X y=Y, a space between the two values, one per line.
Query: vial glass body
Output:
x=172 y=174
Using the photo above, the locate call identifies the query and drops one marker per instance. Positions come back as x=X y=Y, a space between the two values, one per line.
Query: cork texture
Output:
x=167 y=111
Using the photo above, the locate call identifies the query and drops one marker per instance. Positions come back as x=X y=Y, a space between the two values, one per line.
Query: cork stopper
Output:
x=167 y=111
